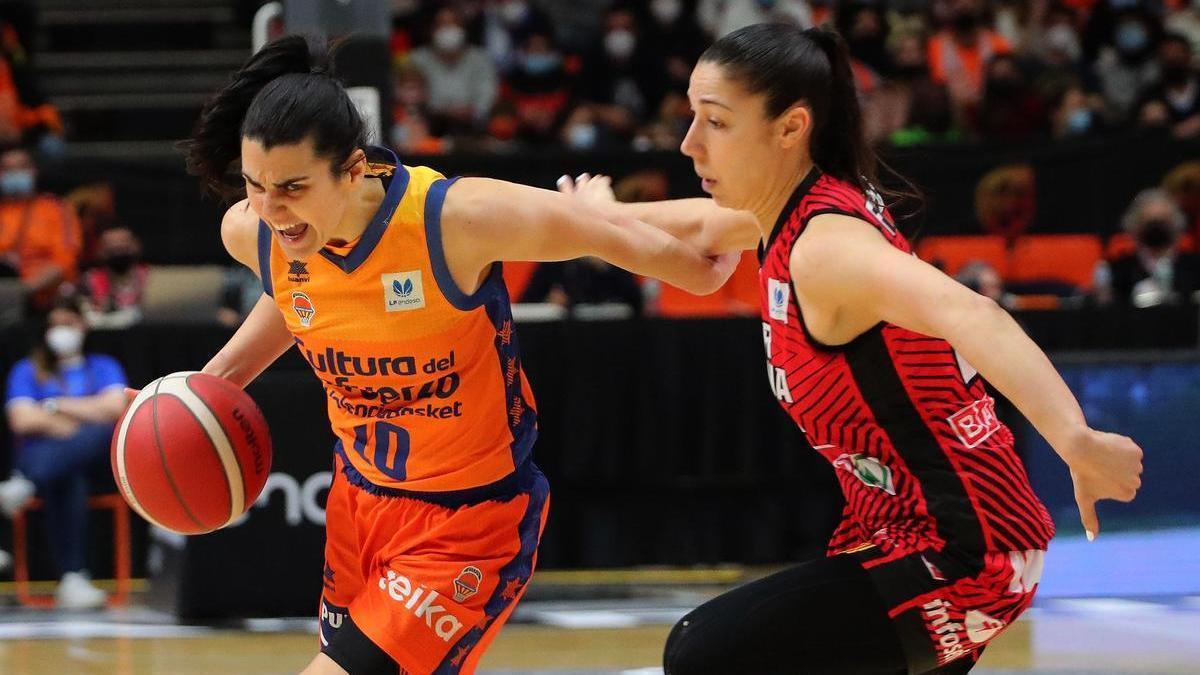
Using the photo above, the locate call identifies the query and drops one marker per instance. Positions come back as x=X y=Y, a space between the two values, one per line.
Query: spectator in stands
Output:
x=62 y=405
x=721 y=17
x=960 y=51
x=1157 y=272
x=95 y=205
x=538 y=89
x=675 y=40
x=25 y=115
x=503 y=24
x=240 y=290
x=585 y=281
x=1076 y=114
x=1011 y=111
x=115 y=286
x=1183 y=184
x=910 y=109
x=1125 y=65
x=864 y=25
x=620 y=82
x=462 y=80
x=39 y=233
x=1174 y=101
x=410 y=118
x=1185 y=21
x=982 y=278
x=1005 y=201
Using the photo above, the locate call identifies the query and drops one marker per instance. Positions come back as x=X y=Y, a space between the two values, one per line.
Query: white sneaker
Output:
x=76 y=592
x=6 y=561
x=15 y=494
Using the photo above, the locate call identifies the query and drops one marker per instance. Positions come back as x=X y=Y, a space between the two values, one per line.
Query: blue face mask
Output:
x=1131 y=37
x=16 y=183
x=1079 y=122
x=540 y=64
x=767 y=5
x=582 y=137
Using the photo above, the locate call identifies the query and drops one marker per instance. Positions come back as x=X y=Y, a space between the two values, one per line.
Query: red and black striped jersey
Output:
x=906 y=422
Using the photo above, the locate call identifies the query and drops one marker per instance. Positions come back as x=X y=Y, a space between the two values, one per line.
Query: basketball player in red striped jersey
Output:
x=880 y=359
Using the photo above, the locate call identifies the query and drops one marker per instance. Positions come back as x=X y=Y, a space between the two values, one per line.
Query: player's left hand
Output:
x=1103 y=466
x=596 y=191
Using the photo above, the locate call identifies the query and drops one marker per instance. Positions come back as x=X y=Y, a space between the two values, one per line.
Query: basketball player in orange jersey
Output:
x=879 y=358
x=387 y=279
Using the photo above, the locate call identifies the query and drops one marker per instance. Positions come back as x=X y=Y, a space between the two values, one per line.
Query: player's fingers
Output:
x=1087 y=515
x=131 y=394
x=565 y=184
x=583 y=177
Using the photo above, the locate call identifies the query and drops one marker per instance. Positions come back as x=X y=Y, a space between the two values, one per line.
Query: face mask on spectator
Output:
x=1155 y=234
x=17 y=183
x=666 y=11
x=513 y=11
x=582 y=136
x=620 y=44
x=1079 y=121
x=64 y=340
x=1062 y=38
x=120 y=263
x=540 y=64
x=1131 y=37
x=449 y=38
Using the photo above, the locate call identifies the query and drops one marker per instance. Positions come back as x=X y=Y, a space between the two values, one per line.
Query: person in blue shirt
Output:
x=62 y=405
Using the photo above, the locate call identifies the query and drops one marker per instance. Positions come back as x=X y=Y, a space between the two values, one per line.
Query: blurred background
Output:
x=1057 y=143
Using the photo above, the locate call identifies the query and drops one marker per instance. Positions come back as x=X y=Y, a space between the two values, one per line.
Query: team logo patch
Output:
x=402 y=291
x=777 y=299
x=976 y=422
x=869 y=470
x=304 y=308
x=981 y=627
x=467 y=583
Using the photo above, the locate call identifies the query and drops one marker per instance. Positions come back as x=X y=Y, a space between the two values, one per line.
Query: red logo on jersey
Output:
x=974 y=423
x=303 y=307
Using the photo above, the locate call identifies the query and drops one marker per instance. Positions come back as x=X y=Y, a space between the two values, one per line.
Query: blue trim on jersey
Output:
x=264 y=257
x=513 y=576
x=502 y=490
x=434 y=200
x=379 y=224
x=508 y=348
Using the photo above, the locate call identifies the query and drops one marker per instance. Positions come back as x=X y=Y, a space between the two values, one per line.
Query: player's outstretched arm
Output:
x=700 y=222
x=843 y=267
x=484 y=221
x=264 y=335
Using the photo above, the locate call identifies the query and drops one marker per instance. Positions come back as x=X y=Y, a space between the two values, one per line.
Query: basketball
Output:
x=191 y=453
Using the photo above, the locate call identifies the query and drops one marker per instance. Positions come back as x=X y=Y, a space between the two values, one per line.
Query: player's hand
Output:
x=595 y=191
x=1103 y=466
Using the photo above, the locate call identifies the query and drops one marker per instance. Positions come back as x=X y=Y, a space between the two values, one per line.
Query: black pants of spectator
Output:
x=823 y=617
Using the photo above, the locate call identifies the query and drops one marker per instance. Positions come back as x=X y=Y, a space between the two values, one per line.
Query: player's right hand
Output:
x=131 y=394
x=1103 y=466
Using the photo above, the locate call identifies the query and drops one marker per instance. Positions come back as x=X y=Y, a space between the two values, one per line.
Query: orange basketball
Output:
x=192 y=452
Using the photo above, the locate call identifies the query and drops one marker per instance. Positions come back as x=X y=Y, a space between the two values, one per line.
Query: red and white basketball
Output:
x=192 y=452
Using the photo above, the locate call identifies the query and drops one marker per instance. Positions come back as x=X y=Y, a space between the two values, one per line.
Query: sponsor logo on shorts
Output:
x=976 y=422
x=869 y=470
x=981 y=627
x=399 y=588
x=466 y=584
x=946 y=634
x=332 y=616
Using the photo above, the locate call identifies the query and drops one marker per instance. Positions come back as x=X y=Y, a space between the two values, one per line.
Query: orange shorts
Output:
x=429 y=584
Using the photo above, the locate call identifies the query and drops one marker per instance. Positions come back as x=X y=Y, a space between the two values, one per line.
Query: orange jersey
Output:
x=425 y=387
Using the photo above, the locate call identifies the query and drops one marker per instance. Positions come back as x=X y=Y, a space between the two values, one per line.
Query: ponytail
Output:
x=281 y=95
x=838 y=144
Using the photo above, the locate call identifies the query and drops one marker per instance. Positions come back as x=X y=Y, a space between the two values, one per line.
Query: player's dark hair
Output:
x=789 y=66
x=282 y=95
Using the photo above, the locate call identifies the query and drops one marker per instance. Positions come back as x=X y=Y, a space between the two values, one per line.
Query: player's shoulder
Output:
x=239 y=233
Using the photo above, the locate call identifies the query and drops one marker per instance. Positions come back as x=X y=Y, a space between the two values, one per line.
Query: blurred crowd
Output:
x=498 y=75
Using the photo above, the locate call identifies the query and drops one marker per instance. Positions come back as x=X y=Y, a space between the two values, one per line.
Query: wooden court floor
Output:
x=1045 y=643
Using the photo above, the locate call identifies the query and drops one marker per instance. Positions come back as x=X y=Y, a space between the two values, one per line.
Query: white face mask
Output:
x=449 y=38
x=513 y=11
x=666 y=11
x=65 y=341
x=620 y=43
